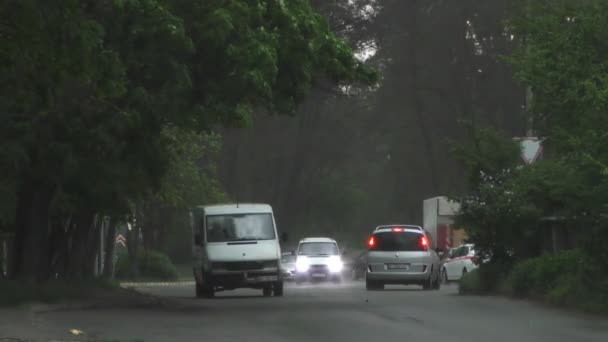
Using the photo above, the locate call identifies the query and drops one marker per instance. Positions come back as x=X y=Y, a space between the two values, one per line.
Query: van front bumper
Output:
x=259 y=278
x=247 y=277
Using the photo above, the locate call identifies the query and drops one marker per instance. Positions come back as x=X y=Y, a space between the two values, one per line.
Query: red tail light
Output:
x=424 y=242
x=397 y=229
x=371 y=242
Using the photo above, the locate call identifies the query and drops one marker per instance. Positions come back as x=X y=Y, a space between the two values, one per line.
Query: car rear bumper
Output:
x=399 y=277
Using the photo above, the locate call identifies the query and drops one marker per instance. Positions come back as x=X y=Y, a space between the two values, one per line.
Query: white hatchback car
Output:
x=461 y=260
x=400 y=254
x=318 y=258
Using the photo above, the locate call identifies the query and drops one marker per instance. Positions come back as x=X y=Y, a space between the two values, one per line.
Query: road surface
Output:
x=315 y=313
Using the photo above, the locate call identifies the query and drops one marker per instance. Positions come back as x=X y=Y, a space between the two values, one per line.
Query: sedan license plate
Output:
x=398 y=266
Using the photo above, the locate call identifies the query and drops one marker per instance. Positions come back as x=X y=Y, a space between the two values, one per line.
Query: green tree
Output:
x=88 y=88
x=564 y=58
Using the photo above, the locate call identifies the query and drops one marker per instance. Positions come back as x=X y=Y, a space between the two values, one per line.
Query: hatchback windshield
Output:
x=239 y=227
x=397 y=241
x=318 y=248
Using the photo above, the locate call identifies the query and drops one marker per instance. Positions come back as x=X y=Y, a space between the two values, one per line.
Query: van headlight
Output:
x=335 y=265
x=302 y=264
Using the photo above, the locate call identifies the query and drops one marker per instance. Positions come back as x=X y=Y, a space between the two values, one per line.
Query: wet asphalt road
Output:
x=316 y=313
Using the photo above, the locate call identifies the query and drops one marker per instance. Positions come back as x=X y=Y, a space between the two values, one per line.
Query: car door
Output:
x=447 y=263
x=461 y=262
x=453 y=264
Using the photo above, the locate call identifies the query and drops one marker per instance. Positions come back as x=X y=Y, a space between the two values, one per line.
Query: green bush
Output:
x=471 y=283
x=151 y=264
x=539 y=276
x=488 y=278
x=568 y=279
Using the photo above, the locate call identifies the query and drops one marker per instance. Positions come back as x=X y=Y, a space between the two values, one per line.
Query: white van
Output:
x=235 y=246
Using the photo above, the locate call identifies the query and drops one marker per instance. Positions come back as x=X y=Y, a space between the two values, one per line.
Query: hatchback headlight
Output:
x=335 y=265
x=302 y=264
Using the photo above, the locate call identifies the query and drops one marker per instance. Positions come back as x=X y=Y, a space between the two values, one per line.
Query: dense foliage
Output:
x=563 y=58
x=97 y=96
x=370 y=155
x=151 y=265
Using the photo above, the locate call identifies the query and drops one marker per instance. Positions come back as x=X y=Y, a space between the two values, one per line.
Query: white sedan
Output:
x=461 y=260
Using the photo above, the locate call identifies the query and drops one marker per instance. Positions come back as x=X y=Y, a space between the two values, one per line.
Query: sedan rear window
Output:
x=397 y=241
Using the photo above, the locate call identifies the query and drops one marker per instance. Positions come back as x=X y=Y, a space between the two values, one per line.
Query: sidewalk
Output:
x=156 y=284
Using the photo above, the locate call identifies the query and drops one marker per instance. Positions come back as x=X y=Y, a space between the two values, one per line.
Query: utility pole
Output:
x=530 y=115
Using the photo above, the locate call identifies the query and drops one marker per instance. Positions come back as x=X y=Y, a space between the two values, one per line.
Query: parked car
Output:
x=401 y=254
x=458 y=262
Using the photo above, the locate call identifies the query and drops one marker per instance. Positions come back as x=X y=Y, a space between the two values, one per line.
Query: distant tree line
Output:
x=364 y=156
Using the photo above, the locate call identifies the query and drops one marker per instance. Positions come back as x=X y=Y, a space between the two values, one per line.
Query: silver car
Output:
x=401 y=254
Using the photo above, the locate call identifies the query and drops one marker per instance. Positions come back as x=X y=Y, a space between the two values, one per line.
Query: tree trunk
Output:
x=417 y=103
x=2 y=258
x=32 y=231
x=133 y=242
x=58 y=247
x=93 y=240
x=79 y=244
x=108 y=263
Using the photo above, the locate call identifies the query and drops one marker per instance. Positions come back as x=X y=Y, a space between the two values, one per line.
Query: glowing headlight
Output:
x=302 y=264
x=335 y=265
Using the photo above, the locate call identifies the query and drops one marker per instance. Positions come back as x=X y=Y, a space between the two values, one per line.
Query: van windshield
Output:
x=318 y=248
x=240 y=227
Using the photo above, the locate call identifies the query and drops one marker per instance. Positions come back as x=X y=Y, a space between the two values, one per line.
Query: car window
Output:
x=397 y=241
x=318 y=248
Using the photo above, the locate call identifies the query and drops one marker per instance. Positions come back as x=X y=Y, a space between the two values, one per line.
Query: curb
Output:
x=156 y=284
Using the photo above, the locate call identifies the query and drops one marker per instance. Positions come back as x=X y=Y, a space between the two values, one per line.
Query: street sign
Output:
x=531 y=149
x=121 y=240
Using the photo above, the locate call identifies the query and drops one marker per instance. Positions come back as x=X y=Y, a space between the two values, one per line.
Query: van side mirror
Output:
x=198 y=239
x=284 y=237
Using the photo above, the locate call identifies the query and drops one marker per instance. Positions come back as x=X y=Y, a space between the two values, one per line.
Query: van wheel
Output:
x=267 y=291
x=278 y=289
